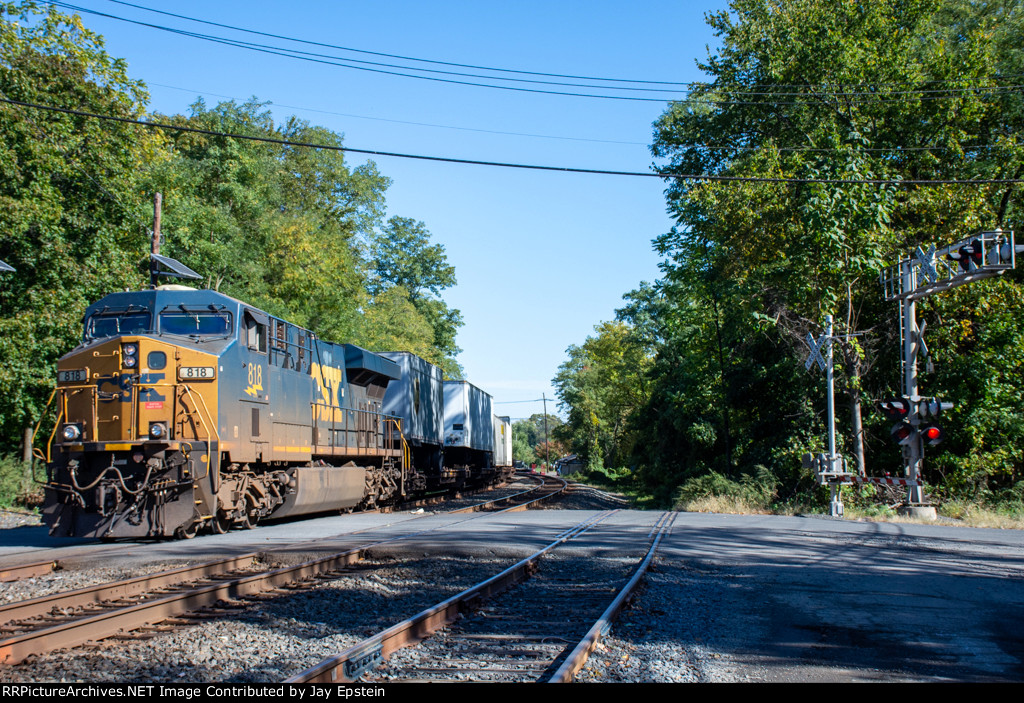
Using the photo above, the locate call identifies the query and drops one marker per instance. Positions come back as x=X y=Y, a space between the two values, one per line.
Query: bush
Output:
x=16 y=485
x=713 y=492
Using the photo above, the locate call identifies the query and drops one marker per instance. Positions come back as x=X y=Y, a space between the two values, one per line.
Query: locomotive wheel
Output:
x=220 y=523
x=247 y=521
x=188 y=531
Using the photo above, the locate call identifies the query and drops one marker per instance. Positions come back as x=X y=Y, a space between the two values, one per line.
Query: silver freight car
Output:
x=417 y=398
x=468 y=426
x=502 y=441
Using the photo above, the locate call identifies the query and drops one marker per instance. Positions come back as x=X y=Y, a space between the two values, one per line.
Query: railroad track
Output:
x=9 y=574
x=542 y=631
x=171 y=598
x=546 y=488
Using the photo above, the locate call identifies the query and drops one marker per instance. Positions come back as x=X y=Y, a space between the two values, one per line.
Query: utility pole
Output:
x=155 y=242
x=547 y=451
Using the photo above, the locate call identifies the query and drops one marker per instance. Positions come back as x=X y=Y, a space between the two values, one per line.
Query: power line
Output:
x=397 y=56
x=409 y=122
x=532 y=167
x=342 y=63
x=680 y=84
x=874 y=97
x=710 y=147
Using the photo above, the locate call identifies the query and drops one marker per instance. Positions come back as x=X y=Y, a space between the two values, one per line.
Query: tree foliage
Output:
x=808 y=104
x=71 y=198
x=295 y=231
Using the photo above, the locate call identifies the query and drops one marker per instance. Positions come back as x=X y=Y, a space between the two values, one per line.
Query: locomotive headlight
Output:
x=157 y=430
x=129 y=355
x=71 y=433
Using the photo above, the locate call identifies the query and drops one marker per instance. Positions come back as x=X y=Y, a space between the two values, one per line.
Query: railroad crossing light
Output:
x=970 y=256
x=1004 y=254
x=903 y=433
x=933 y=407
x=895 y=408
x=932 y=434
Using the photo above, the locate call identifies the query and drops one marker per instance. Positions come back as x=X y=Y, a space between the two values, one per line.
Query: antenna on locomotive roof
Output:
x=177 y=269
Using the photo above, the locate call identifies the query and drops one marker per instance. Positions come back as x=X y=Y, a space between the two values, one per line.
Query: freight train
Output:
x=185 y=410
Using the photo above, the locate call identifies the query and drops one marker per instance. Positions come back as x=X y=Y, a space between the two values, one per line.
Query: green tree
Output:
x=402 y=257
x=274 y=225
x=603 y=382
x=73 y=211
x=528 y=437
x=821 y=91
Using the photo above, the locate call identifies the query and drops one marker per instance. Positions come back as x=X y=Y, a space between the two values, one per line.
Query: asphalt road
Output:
x=812 y=599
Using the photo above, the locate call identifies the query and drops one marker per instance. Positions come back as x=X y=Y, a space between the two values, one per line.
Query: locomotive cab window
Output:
x=112 y=324
x=201 y=323
x=255 y=333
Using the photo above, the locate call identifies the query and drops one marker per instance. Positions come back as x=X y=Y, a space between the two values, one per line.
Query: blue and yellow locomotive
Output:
x=186 y=409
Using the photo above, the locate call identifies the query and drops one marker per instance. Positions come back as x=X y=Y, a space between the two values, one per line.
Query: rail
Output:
x=350 y=664
x=93 y=623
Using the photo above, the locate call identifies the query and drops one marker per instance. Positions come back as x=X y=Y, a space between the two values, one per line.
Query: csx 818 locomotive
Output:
x=186 y=409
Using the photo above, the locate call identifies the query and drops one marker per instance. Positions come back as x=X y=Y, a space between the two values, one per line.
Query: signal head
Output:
x=903 y=433
x=932 y=434
x=895 y=408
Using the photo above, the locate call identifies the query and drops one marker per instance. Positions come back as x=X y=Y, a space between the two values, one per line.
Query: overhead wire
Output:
x=383 y=69
x=681 y=84
x=533 y=167
x=410 y=122
x=711 y=147
x=397 y=56
x=376 y=67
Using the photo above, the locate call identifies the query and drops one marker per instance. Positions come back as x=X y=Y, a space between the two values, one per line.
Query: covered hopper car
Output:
x=186 y=409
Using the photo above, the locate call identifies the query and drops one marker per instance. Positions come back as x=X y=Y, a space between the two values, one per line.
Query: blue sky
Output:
x=540 y=257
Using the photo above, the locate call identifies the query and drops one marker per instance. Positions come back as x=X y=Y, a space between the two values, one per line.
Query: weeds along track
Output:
x=175 y=598
x=535 y=621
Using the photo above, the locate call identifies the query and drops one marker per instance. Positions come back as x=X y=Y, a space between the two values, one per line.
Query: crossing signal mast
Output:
x=977 y=257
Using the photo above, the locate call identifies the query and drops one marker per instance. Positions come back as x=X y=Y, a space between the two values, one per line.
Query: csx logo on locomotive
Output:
x=184 y=410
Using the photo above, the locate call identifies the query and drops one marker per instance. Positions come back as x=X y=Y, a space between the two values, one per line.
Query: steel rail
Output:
x=71 y=633
x=94 y=595
x=546 y=482
x=100 y=625
x=578 y=657
x=348 y=665
x=27 y=571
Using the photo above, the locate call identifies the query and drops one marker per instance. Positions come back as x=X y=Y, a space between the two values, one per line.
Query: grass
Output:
x=17 y=490
x=713 y=493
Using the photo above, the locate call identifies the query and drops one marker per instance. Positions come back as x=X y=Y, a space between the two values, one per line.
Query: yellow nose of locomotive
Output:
x=121 y=390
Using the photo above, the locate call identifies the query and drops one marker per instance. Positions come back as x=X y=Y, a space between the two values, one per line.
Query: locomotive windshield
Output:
x=109 y=324
x=199 y=323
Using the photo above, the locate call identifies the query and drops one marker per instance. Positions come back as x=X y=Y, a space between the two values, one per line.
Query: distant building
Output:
x=568 y=465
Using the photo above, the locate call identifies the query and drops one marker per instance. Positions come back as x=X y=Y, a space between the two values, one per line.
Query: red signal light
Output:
x=932 y=434
x=902 y=433
x=895 y=408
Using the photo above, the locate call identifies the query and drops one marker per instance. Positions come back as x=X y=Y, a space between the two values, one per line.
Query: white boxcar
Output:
x=467 y=417
x=502 y=441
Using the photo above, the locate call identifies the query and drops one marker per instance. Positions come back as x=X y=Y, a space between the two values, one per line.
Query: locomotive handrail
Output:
x=35 y=452
x=213 y=426
x=362 y=428
x=397 y=422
